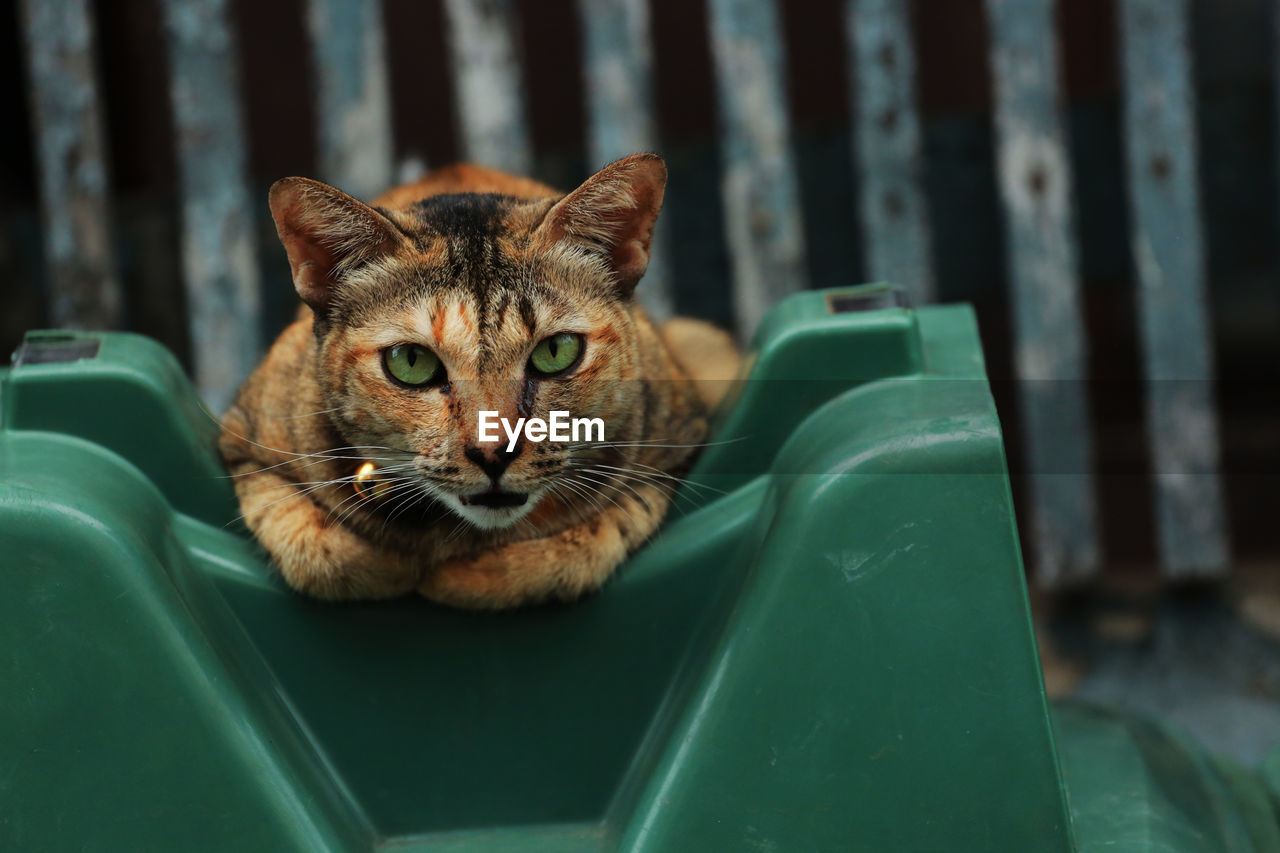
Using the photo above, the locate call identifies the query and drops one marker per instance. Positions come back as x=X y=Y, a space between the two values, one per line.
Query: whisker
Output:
x=415 y=495
x=668 y=474
x=567 y=498
x=582 y=491
x=296 y=494
x=354 y=496
x=622 y=483
x=609 y=497
x=383 y=462
x=658 y=479
x=460 y=527
x=647 y=443
x=307 y=415
x=671 y=492
x=397 y=487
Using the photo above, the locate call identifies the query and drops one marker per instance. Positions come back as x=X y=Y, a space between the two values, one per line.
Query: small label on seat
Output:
x=849 y=301
x=55 y=349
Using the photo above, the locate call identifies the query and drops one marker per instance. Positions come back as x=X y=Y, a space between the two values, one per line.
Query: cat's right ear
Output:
x=325 y=231
x=612 y=215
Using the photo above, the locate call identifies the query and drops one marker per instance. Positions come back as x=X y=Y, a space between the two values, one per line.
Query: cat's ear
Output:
x=325 y=231
x=613 y=213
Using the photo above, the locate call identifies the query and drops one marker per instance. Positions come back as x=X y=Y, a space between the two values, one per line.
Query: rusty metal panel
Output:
x=888 y=147
x=1168 y=248
x=761 y=191
x=84 y=291
x=487 y=79
x=1049 y=352
x=618 y=73
x=352 y=94
x=221 y=277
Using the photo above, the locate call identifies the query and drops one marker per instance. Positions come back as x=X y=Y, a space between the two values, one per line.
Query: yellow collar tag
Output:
x=368 y=484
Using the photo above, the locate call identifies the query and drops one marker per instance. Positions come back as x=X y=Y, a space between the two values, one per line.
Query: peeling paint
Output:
x=1161 y=150
x=221 y=276
x=618 y=73
x=84 y=291
x=488 y=83
x=352 y=94
x=888 y=158
x=763 y=226
x=1049 y=354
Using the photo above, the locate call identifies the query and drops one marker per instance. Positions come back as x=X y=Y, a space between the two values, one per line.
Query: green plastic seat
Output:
x=828 y=647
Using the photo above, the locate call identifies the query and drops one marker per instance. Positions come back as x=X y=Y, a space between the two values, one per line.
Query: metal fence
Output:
x=759 y=185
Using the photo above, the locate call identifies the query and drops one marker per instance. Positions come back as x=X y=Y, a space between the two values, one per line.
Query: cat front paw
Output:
x=487 y=582
x=319 y=575
x=469 y=585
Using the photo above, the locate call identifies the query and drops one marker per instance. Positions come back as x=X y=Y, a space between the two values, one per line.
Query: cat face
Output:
x=431 y=313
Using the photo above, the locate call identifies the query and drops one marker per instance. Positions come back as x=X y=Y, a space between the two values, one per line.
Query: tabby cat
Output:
x=468 y=291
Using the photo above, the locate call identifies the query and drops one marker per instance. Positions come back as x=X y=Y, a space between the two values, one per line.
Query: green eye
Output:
x=556 y=354
x=411 y=364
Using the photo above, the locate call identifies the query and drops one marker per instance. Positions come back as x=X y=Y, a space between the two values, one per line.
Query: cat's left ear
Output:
x=613 y=213
x=324 y=231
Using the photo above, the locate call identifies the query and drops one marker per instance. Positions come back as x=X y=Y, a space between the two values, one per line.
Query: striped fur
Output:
x=479 y=267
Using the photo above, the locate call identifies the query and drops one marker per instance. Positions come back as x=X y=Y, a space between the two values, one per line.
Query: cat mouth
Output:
x=495 y=499
x=492 y=510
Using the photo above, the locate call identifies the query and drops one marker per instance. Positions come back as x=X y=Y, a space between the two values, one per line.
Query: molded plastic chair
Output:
x=832 y=652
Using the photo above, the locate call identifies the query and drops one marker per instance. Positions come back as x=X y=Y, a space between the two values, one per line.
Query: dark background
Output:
x=1233 y=43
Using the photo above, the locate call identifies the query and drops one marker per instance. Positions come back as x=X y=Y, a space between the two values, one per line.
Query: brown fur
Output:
x=479 y=267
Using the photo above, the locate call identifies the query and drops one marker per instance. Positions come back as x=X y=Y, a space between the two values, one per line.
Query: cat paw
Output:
x=331 y=582
x=461 y=583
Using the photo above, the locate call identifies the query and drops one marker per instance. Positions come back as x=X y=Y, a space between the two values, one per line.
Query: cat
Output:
x=469 y=290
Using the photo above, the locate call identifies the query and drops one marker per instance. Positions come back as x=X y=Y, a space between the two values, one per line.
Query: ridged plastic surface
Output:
x=835 y=653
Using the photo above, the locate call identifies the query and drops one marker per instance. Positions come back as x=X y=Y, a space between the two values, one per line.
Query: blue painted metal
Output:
x=1049 y=353
x=1168 y=248
x=352 y=94
x=760 y=187
x=487 y=80
x=887 y=146
x=221 y=276
x=618 y=69
x=83 y=288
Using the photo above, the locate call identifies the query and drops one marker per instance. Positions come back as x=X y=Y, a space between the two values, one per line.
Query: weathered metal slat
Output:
x=761 y=191
x=618 y=68
x=352 y=94
x=888 y=160
x=488 y=82
x=217 y=216
x=1049 y=352
x=1168 y=247
x=84 y=290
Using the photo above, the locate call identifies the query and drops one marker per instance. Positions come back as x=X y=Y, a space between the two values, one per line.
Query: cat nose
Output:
x=495 y=462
